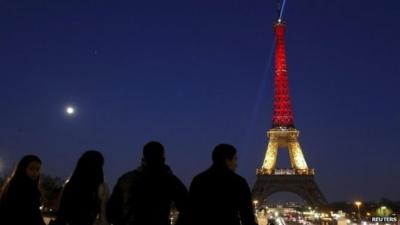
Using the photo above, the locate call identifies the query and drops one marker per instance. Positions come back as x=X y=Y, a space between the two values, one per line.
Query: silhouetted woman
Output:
x=82 y=195
x=20 y=200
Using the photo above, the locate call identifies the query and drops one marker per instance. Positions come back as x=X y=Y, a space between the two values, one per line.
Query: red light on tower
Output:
x=282 y=114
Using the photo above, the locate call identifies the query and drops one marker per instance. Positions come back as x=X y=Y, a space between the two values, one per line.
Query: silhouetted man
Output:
x=144 y=195
x=218 y=196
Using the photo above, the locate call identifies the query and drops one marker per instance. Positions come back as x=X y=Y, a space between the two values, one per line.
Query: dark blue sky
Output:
x=192 y=74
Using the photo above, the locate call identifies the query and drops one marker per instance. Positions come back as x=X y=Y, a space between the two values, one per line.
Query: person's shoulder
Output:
x=239 y=180
x=206 y=174
x=174 y=181
x=128 y=176
x=232 y=176
x=167 y=173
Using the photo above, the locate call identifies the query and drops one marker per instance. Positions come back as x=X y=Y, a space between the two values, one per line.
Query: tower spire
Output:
x=282 y=113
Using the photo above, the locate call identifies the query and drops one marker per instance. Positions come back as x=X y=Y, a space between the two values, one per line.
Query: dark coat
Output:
x=144 y=197
x=78 y=206
x=218 y=196
x=19 y=204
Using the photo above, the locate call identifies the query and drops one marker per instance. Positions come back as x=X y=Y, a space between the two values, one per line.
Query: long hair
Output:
x=19 y=176
x=82 y=187
x=88 y=173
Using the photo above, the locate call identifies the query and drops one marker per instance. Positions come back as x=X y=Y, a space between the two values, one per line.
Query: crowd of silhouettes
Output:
x=143 y=196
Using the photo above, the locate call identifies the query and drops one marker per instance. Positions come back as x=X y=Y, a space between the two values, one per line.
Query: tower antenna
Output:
x=280 y=6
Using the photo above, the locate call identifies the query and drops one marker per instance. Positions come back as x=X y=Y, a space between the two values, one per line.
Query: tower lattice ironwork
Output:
x=299 y=178
x=282 y=115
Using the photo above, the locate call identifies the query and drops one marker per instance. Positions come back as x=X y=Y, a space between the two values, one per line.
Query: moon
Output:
x=70 y=110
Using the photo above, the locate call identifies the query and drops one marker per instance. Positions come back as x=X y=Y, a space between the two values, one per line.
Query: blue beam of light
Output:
x=281 y=11
x=263 y=88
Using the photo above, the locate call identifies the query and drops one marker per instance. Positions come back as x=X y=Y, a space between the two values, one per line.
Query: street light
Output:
x=358 y=204
x=255 y=202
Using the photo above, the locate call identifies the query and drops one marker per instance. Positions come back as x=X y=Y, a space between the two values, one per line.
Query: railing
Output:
x=262 y=171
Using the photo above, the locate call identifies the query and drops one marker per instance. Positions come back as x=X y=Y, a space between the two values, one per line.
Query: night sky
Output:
x=192 y=74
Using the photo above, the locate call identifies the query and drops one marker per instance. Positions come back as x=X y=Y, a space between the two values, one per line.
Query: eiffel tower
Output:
x=299 y=179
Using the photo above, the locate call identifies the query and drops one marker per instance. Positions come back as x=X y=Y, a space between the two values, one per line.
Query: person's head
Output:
x=28 y=167
x=153 y=154
x=89 y=169
x=26 y=174
x=224 y=155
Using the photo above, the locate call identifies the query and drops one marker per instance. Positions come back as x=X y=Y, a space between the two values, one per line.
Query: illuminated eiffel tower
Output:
x=299 y=179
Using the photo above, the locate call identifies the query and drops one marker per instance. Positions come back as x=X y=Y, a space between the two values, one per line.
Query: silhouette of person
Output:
x=83 y=193
x=220 y=196
x=21 y=198
x=144 y=196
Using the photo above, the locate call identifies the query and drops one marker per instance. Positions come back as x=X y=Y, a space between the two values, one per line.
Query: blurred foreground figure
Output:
x=84 y=193
x=20 y=200
x=218 y=196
